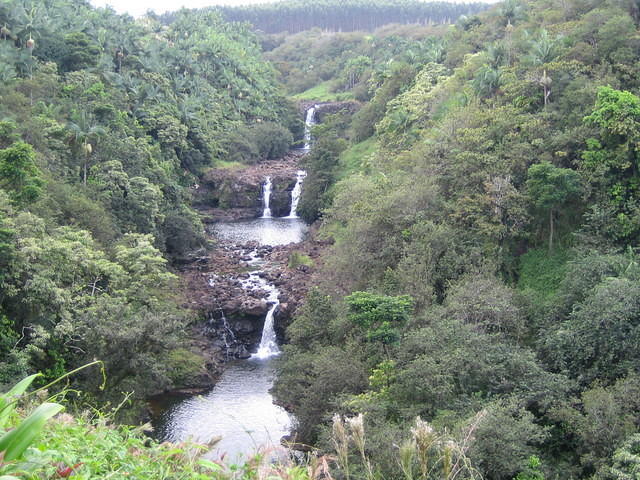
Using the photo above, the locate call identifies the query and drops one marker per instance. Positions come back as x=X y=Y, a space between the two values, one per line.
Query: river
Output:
x=237 y=417
x=239 y=410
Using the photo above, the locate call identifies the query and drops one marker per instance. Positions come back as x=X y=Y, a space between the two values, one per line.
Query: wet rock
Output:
x=254 y=307
x=237 y=193
x=244 y=326
x=242 y=353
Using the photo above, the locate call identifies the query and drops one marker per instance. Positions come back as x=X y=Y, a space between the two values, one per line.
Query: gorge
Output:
x=237 y=416
x=437 y=280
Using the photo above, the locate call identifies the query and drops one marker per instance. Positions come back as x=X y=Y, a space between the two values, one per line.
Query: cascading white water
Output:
x=266 y=197
x=309 y=121
x=295 y=193
x=268 y=342
x=228 y=337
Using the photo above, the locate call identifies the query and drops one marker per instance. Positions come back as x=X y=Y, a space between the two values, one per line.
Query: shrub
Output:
x=239 y=147
x=271 y=139
x=262 y=141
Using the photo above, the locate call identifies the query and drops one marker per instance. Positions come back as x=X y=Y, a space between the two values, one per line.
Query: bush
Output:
x=262 y=141
x=183 y=232
x=504 y=440
x=239 y=147
x=296 y=259
x=184 y=366
x=543 y=271
x=271 y=139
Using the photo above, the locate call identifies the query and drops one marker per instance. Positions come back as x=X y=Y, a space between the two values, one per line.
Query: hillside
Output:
x=472 y=306
x=483 y=273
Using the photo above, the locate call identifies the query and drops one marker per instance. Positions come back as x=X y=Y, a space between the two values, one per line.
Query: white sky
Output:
x=139 y=7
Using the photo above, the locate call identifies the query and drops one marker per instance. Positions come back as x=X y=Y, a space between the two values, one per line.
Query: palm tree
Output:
x=83 y=131
x=487 y=81
x=512 y=11
x=545 y=48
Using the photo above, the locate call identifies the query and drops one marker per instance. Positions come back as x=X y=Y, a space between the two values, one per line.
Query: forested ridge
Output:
x=483 y=210
x=346 y=15
x=476 y=311
x=105 y=125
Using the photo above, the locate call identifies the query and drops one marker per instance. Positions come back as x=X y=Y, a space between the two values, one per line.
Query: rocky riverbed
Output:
x=230 y=312
x=216 y=290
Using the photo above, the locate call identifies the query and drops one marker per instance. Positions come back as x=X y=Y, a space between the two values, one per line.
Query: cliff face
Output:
x=237 y=192
x=325 y=108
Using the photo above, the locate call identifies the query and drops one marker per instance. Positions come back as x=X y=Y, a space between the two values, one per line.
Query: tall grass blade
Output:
x=15 y=442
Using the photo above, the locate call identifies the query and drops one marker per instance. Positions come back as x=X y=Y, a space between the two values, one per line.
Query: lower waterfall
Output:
x=266 y=198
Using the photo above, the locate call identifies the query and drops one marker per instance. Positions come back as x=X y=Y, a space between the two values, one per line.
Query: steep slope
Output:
x=499 y=196
x=106 y=122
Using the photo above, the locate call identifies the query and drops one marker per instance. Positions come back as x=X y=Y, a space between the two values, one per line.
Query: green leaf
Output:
x=7 y=399
x=203 y=462
x=15 y=442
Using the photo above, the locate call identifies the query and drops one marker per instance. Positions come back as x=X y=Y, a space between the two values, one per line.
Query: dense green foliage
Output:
x=105 y=124
x=352 y=64
x=477 y=312
x=346 y=15
x=497 y=193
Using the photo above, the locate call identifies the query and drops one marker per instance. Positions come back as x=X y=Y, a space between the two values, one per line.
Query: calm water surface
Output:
x=239 y=409
x=266 y=231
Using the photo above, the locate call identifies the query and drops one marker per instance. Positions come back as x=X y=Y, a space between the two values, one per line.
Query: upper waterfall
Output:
x=309 y=121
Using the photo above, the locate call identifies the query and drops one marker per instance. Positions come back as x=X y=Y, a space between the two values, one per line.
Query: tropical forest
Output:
x=320 y=240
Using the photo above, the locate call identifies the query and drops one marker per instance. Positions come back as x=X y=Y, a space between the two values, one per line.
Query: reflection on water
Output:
x=266 y=231
x=239 y=409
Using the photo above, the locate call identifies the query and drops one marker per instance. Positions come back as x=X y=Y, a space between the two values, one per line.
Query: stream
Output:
x=237 y=417
x=239 y=409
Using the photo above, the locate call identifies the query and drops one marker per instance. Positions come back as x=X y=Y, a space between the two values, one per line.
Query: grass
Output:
x=296 y=259
x=351 y=159
x=228 y=165
x=322 y=93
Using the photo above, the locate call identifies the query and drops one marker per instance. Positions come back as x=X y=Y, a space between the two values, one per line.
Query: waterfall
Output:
x=268 y=342
x=296 y=192
x=309 y=121
x=220 y=326
x=266 y=196
x=227 y=333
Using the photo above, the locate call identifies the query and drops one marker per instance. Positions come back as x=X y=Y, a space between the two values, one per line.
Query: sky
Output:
x=139 y=7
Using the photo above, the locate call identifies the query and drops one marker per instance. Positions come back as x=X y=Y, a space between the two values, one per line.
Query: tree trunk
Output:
x=550 y=230
x=84 y=174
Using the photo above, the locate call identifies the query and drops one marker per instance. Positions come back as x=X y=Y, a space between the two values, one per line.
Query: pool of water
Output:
x=265 y=231
x=239 y=411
